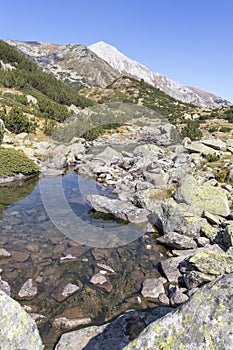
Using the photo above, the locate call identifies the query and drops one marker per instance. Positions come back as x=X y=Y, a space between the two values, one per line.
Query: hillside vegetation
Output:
x=130 y=90
x=21 y=73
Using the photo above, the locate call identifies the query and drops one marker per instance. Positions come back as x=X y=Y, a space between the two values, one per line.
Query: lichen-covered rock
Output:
x=114 y=335
x=201 y=197
x=178 y=241
x=198 y=147
x=202 y=323
x=212 y=263
x=179 y=218
x=18 y=330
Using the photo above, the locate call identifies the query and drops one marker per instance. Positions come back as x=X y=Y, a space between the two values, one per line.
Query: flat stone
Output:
x=198 y=147
x=178 y=241
x=70 y=289
x=4 y=253
x=65 y=323
x=98 y=278
x=215 y=143
x=20 y=256
x=105 y=267
x=27 y=290
x=153 y=287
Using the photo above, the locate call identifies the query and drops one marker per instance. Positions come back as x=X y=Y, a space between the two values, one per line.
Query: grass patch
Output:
x=13 y=162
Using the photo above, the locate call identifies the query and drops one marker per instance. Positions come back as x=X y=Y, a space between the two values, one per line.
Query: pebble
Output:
x=69 y=289
x=27 y=290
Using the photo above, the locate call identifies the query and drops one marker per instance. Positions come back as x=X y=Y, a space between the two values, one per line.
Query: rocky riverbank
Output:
x=184 y=192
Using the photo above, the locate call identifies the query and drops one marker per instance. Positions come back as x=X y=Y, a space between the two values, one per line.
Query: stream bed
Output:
x=36 y=246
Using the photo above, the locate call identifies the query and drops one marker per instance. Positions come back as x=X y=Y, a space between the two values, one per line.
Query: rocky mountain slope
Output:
x=130 y=90
x=73 y=64
x=130 y=67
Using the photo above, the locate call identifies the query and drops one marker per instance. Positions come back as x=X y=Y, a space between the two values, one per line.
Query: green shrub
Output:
x=17 y=122
x=225 y=129
x=49 y=126
x=212 y=157
x=192 y=130
x=13 y=162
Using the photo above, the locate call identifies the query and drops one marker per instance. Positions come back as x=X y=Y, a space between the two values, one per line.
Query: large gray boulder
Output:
x=203 y=196
x=18 y=330
x=203 y=323
x=121 y=210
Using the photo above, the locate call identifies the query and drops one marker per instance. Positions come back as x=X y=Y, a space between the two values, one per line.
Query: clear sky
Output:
x=190 y=41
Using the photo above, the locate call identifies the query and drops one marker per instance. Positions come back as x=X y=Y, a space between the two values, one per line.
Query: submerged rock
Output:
x=27 y=290
x=202 y=323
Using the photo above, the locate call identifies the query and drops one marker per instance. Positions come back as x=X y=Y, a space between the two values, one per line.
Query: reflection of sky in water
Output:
x=64 y=200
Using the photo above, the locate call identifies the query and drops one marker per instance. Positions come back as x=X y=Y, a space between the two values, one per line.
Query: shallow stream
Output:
x=37 y=246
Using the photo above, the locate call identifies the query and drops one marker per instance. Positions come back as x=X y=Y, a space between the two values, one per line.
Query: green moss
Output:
x=13 y=162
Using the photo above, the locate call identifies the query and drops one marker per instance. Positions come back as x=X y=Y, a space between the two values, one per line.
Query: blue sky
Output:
x=188 y=41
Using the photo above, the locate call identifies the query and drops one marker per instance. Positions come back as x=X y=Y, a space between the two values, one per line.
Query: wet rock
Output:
x=38 y=318
x=20 y=256
x=203 y=197
x=4 y=253
x=178 y=241
x=170 y=268
x=70 y=289
x=5 y=287
x=210 y=326
x=106 y=267
x=68 y=324
x=122 y=210
x=98 y=278
x=153 y=287
x=68 y=257
x=28 y=290
x=18 y=330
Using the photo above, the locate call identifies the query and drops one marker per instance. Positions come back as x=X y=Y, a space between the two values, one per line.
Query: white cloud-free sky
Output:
x=191 y=42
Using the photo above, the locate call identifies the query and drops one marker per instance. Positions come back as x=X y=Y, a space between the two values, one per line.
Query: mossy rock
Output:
x=13 y=162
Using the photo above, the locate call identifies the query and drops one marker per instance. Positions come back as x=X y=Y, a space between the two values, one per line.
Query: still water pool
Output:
x=37 y=246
